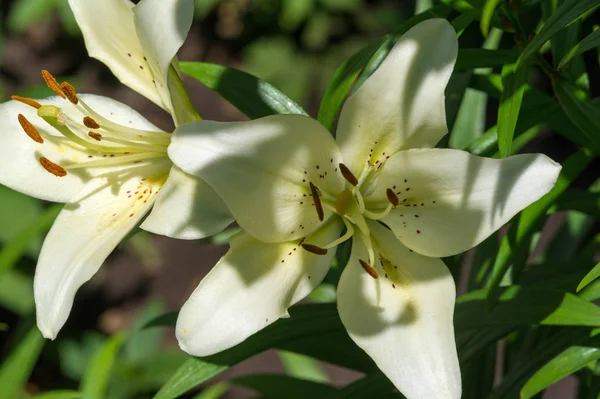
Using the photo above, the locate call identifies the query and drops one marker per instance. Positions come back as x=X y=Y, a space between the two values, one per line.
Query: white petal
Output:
x=401 y=105
x=162 y=26
x=110 y=36
x=403 y=320
x=20 y=168
x=451 y=200
x=251 y=287
x=85 y=233
x=262 y=170
x=187 y=208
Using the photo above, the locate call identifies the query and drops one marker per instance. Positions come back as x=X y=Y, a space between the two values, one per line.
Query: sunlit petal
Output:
x=187 y=208
x=262 y=169
x=401 y=105
x=251 y=287
x=451 y=200
x=85 y=233
x=403 y=319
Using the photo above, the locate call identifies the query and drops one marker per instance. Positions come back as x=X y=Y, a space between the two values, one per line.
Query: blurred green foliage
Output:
x=527 y=77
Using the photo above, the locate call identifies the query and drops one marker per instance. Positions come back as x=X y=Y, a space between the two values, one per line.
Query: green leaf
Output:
x=486 y=15
x=17 y=366
x=296 y=334
x=16 y=292
x=301 y=366
x=17 y=247
x=27 y=13
x=470 y=58
x=17 y=212
x=525 y=306
x=214 y=392
x=252 y=96
x=580 y=111
x=283 y=386
x=61 y=394
x=591 y=276
x=566 y=13
x=535 y=356
x=591 y=41
x=514 y=81
x=514 y=248
x=372 y=386
x=342 y=83
x=568 y=362
x=95 y=379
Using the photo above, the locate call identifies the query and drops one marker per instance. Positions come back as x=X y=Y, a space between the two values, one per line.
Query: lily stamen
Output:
x=317 y=201
x=52 y=83
x=69 y=92
x=348 y=175
x=369 y=269
x=90 y=123
x=52 y=167
x=314 y=249
x=30 y=130
x=116 y=160
x=28 y=101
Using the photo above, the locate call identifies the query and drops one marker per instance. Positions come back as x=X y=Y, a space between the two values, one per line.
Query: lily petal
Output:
x=403 y=319
x=251 y=287
x=187 y=208
x=110 y=36
x=451 y=200
x=401 y=105
x=19 y=154
x=85 y=233
x=262 y=169
x=162 y=27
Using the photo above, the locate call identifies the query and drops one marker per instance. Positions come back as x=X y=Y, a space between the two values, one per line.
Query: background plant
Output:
x=527 y=79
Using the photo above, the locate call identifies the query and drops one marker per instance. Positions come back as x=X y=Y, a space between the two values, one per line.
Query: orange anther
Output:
x=30 y=130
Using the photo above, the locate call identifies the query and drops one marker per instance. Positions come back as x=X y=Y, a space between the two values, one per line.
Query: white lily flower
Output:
x=293 y=188
x=108 y=163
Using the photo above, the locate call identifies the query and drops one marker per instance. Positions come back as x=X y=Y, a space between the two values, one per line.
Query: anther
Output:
x=91 y=123
x=28 y=101
x=95 y=136
x=52 y=83
x=53 y=168
x=30 y=130
x=315 y=196
x=369 y=269
x=392 y=197
x=349 y=176
x=314 y=249
x=69 y=92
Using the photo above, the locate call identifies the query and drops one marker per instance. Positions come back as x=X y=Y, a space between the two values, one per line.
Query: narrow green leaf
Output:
x=567 y=12
x=568 y=362
x=306 y=321
x=283 y=386
x=591 y=276
x=16 y=292
x=62 y=394
x=214 y=392
x=486 y=15
x=514 y=247
x=535 y=357
x=525 y=306
x=17 y=366
x=16 y=248
x=591 y=41
x=514 y=81
x=374 y=385
x=254 y=97
x=342 y=83
x=95 y=379
x=580 y=200
x=580 y=111
x=470 y=58
x=301 y=366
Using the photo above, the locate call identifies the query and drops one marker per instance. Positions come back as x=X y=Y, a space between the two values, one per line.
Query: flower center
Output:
x=105 y=142
x=350 y=206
